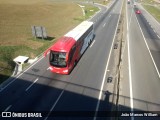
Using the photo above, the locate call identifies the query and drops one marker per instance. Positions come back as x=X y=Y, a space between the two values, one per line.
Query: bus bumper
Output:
x=59 y=70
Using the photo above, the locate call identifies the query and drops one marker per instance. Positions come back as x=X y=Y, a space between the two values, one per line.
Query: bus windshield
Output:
x=58 y=59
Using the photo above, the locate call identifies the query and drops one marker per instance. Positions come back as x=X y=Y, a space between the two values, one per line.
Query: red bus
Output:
x=66 y=52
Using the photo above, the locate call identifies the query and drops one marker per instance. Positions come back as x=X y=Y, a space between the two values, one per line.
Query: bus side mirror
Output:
x=46 y=52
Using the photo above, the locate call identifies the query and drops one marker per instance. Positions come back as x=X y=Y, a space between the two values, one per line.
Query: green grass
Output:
x=90 y=11
x=154 y=11
x=103 y=2
x=148 y=1
x=6 y=57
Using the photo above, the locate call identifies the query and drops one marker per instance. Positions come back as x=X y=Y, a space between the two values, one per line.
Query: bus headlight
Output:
x=65 y=71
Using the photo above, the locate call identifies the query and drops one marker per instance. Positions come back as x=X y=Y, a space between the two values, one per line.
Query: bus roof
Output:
x=64 y=44
x=78 y=31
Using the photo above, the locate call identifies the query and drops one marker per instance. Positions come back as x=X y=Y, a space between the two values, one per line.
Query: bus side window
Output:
x=72 y=53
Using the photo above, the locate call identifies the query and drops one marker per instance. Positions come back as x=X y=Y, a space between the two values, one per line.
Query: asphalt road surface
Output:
x=81 y=92
x=140 y=85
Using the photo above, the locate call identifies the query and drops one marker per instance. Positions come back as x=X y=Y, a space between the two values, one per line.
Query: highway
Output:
x=37 y=89
x=140 y=85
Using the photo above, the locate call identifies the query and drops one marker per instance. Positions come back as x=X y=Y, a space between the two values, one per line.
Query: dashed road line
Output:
x=105 y=72
x=53 y=106
x=7 y=108
x=31 y=85
x=104 y=24
x=48 y=68
x=154 y=30
x=92 y=43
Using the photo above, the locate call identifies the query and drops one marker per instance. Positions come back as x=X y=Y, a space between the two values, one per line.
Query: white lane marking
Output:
x=148 y=49
x=154 y=31
x=158 y=36
x=48 y=68
x=105 y=72
x=20 y=74
x=7 y=108
x=129 y=63
x=54 y=105
x=92 y=43
x=104 y=24
x=32 y=84
x=109 y=16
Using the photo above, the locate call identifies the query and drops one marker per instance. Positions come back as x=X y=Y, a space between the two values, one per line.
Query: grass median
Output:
x=154 y=11
x=153 y=7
